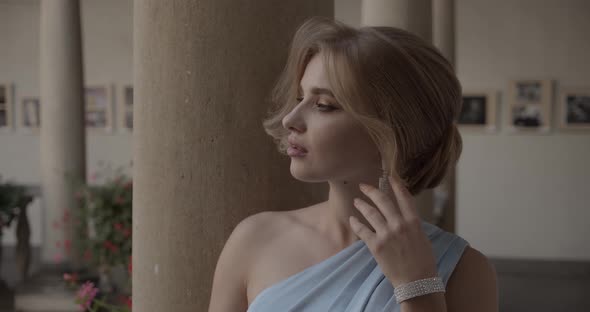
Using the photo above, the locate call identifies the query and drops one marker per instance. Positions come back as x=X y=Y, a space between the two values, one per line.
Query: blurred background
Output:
x=518 y=194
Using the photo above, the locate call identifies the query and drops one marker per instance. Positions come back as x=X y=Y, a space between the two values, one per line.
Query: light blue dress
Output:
x=351 y=280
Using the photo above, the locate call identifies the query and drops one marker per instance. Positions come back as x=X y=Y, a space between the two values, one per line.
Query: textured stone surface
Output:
x=203 y=71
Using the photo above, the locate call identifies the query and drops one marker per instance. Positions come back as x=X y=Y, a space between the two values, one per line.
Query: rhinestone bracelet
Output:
x=418 y=288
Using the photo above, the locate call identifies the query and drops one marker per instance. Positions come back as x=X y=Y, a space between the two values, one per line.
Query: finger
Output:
x=361 y=230
x=385 y=204
x=372 y=215
x=405 y=200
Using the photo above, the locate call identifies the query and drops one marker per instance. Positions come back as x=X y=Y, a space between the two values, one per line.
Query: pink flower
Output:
x=119 y=200
x=87 y=255
x=67 y=245
x=118 y=226
x=73 y=278
x=86 y=294
x=57 y=258
x=110 y=246
x=56 y=225
x=128 y=302
x=93 y=177
x=66 y=216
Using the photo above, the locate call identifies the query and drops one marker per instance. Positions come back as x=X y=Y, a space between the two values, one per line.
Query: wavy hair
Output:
x=397 y=85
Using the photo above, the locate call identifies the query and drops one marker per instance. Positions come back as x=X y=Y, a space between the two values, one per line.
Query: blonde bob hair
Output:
x=397 y=85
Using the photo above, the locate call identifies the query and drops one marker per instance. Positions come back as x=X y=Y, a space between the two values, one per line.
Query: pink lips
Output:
x=292 y=151
x=295 y=149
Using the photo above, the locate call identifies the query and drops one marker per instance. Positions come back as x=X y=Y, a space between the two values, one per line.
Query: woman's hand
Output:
x=399 y=245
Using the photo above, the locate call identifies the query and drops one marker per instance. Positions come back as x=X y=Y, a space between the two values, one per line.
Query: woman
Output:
x=353 y=107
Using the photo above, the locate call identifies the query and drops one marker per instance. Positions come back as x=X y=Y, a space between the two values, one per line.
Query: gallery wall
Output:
x=107 y=29
x=519 y=195
x=524 y=195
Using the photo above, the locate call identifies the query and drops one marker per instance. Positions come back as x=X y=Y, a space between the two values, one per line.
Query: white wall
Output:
x=524 y=196
x=107 y=44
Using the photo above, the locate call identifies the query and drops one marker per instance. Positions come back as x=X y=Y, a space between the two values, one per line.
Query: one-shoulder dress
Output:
x=351 y=280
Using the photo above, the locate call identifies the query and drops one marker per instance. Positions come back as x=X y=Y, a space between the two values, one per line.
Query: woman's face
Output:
x=338 y=147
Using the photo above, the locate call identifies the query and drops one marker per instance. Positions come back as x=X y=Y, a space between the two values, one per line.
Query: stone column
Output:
x=414 y=16
x=202 y=161
x=443 y=31
x=443 y=27
x=63 y=154
x=411 y=15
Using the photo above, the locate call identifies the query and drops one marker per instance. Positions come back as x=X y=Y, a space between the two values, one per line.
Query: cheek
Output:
x=344 y=145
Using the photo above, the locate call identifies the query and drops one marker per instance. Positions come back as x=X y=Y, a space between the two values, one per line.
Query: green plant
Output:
x=108 y=211
x=12 y=198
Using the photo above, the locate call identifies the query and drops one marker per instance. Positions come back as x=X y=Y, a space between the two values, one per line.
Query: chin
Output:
x=302 y=174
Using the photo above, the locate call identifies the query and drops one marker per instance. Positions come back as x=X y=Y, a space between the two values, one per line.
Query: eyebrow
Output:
x=316 y=90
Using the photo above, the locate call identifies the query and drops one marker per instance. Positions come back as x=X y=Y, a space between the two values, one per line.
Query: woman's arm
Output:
x=473 y=284
x=471 y=287
x=228 y=293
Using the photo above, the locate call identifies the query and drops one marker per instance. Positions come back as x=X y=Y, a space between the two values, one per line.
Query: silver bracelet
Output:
x=418 y=288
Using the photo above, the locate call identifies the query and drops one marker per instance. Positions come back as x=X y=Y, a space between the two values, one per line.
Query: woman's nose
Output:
x=294 y=121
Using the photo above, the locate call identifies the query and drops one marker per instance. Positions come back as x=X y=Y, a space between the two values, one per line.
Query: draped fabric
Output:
x=351 y=280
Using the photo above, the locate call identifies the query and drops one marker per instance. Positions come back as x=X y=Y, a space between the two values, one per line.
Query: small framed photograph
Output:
x=478 y=111
x=530 y=105
x=574 y=108
x=6 y=107
x=30 y=114
x=99 y=110
x=125 y=112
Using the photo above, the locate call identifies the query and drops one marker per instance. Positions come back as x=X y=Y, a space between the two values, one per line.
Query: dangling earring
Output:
x=384 y=185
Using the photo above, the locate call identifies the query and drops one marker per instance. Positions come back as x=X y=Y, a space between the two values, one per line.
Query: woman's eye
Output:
x=322 y=107
x=325 y=108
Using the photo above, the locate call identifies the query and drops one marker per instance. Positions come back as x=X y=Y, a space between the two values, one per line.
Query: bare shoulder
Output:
x=230 y=280
x=256 y=231
x=257 y=228
x=473 y=284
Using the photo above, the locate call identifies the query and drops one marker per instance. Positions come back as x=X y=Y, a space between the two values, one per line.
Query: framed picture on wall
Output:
x=99 y=110
x=574 y=108
x=6 y=105
x=478 y=111
x=30 y=114
x=125 y=111
x=529 y=104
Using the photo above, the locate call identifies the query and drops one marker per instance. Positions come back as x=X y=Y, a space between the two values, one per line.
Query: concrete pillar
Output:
x=414 y=16
x=443 y=27
x=63 y=155
x=443 y=31
x=202 y=161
